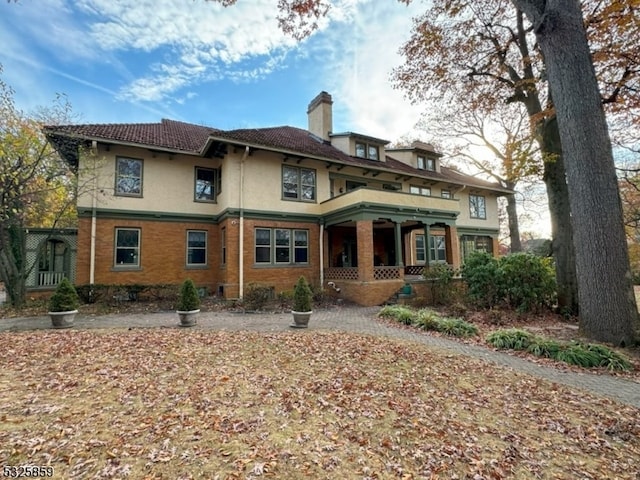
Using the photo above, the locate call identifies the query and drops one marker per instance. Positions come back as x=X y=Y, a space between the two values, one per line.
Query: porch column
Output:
x=452 y=243
x=496 y=246
x=364 y=232
x=399 y=245
x=427 y=249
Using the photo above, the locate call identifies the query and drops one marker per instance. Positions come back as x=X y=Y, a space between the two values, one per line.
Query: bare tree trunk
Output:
x=608 y=310
x=514 y=226
x=562 y=246
x=11 y=264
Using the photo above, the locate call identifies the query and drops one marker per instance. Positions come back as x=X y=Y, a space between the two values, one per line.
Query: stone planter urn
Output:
x=302 y=297
x=63 y=305
x=188 y=305
x=63 y=319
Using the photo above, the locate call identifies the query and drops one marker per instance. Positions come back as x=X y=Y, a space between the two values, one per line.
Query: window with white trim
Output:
x=281 y=246
x=298 y=183
x=128 y=177
x=437 y=248
x=445 y=193
x=196 y=247
x=477 y=207
x=127 y=247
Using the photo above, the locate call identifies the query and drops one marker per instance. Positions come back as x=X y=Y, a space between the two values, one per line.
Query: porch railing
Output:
x=386 y=273
x=413 y=269
x=341 y=273
x=50 y=279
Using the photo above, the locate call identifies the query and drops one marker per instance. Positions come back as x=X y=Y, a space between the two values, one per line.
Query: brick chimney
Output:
x=320 y=115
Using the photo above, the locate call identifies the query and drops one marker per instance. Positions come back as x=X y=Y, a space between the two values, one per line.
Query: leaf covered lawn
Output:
x=176 y=404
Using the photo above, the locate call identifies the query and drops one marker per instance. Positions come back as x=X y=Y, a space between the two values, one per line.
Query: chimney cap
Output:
x=322 y=97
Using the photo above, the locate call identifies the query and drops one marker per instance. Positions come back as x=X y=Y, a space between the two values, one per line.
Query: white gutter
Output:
x=241 y=242
x=94 y=202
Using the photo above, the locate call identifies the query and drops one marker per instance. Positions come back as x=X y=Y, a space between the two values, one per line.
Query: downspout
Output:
x=321 y=256
x=241 y=242
x=94 y=205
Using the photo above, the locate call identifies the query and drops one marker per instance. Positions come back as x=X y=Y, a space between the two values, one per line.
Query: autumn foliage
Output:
x=158 y=403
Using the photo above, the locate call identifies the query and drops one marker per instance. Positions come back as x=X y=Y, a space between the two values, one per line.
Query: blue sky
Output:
x=122 y=61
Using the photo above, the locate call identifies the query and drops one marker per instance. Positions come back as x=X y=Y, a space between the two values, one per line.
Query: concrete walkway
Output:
x=351 y=319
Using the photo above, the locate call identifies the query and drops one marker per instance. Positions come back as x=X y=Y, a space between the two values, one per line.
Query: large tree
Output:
x=480 y=55
x=608 y=310
x=36 y=186
x=497 y=144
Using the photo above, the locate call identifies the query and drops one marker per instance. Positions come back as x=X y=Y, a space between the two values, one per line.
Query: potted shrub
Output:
x=63 y=305
x=188 y=303
x=302 y=297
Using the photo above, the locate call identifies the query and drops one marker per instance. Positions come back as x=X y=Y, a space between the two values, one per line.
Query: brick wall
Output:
x=367 y=294
x=162 y=253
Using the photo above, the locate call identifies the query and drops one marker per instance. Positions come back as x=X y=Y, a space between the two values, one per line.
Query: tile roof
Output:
x=193 y=139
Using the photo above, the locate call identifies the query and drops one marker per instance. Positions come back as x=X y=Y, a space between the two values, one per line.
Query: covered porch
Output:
x=371 y=248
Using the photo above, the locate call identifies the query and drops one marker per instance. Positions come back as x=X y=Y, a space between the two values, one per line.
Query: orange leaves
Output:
x=177 y=405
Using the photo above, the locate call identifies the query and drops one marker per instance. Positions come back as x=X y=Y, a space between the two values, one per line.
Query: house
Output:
x=227 y=208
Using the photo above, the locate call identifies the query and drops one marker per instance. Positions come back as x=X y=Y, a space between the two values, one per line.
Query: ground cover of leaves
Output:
x=180 y=404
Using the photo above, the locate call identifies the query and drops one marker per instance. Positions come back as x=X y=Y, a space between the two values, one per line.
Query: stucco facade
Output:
x=230 y=208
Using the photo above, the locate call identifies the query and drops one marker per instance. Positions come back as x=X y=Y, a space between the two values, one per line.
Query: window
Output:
x=414 y=189
x=420 y=251
x=351 y=185
x=372 y=152
x=445 y=193
x=281 y=246
x=437 y=248
x=196 y=247
x=206 y=185
x=128 y=176
x=127 y=252
x=477 y=207
x=431 y=164
x=475 y=243
x=425 y=163
x=298 y=183
x=367 y=150
x=223 y=243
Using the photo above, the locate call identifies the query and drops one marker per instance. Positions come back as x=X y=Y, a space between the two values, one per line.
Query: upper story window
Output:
x=445 y=193
x=425 y=163
x=298 y=183
x=367 y=150
x=128 y=176
x=416 y=190
x=477 y=207
x=127 y=247
x=206 y=184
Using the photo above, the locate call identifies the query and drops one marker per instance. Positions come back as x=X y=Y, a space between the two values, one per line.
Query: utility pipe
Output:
x=241 y=242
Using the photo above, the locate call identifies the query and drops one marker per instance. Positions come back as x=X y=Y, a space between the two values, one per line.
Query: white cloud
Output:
x=360 y=57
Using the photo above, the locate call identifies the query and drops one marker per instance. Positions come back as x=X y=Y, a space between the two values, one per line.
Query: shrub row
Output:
x=429 y=320
x=522 y=281
x=96 y=293
x=585 y=355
